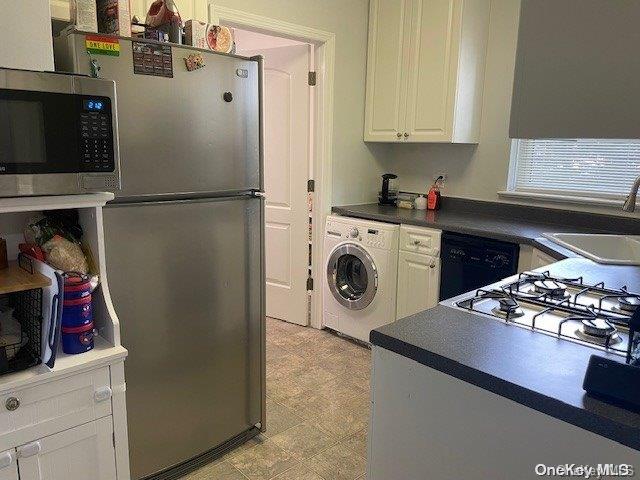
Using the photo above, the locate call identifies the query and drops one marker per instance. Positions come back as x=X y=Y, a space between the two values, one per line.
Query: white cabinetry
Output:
x=8 y=465
x=26 y=35
x=82 y=452
x=425 y=70
x=67 y=422
x=418 y=270
x=540 y=259
x=532 y=258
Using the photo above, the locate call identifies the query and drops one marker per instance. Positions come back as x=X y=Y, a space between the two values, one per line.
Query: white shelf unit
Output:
x=77 y=408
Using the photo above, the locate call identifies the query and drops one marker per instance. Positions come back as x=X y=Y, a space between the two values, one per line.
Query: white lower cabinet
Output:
x=79 y=453
x=418 y=270
x=8 y=465
x=418 y=283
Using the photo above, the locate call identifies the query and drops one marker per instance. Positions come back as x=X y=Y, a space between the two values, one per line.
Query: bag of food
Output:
x=65 y=255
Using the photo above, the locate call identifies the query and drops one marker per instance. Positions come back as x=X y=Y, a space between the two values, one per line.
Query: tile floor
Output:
x=317 y=411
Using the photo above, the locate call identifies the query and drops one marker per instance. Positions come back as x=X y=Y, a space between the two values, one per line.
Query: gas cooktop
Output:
x=567 y=308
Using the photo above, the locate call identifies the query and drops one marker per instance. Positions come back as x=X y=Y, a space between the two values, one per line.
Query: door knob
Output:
x=12 y=404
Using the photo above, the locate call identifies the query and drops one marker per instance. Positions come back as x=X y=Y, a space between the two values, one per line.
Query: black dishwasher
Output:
x=470 y=262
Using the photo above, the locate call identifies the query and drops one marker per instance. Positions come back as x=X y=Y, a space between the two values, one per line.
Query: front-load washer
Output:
x=361 y=269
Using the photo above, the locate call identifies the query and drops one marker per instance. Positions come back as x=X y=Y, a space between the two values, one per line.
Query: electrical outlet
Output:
x=443 y=180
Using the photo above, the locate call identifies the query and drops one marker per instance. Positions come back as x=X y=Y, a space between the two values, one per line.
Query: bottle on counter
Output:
x=434 y=198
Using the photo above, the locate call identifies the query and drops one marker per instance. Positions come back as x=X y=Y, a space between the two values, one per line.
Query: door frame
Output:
x=324 y=58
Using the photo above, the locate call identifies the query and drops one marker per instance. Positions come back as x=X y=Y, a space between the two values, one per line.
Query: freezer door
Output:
x=186 y=279
x=184 y=134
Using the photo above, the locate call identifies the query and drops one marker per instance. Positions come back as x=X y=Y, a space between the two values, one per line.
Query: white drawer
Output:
x=53 y=407
x=420 y=240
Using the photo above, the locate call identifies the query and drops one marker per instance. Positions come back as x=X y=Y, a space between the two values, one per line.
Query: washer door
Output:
x=352 y=276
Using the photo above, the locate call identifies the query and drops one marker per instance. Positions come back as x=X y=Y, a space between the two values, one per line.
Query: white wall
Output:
x=248 y=41
x=25 y=35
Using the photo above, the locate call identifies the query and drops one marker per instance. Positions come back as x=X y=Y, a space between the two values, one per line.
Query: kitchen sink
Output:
x=607 y=249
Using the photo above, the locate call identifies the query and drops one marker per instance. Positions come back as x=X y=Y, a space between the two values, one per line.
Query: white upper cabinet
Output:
x=425 y=70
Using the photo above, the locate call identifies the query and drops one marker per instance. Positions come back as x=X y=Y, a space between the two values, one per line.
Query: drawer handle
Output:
x=12 y=404
x=29 y=450
x=417 y=242
x=102 y=394
x=6 y=459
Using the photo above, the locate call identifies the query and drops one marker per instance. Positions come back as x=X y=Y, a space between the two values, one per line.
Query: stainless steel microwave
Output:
x=58 y=134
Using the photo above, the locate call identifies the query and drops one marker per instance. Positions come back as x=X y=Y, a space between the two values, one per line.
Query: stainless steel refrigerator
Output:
x=184 y=247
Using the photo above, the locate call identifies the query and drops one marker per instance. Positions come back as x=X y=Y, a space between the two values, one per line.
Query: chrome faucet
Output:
x=630 y=202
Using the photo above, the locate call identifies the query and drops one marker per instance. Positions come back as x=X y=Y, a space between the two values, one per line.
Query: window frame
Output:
x=576 y=197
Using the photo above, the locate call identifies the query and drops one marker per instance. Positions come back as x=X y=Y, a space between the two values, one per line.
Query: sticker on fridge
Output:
x=102 y=45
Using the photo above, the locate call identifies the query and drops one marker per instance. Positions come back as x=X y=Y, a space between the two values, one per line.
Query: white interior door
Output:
x=82 y=452
x=286 y=170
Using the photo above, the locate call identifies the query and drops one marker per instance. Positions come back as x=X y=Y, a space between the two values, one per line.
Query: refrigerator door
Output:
x=193 y=133
x=186 y=278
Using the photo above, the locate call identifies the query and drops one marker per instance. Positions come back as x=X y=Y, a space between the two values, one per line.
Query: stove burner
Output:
x=551 y=288
x=597 y=327
x=508 y=308
x=629 y=304
x=508 y=304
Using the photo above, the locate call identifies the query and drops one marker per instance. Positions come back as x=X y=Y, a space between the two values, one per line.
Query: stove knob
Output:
x=353 y=233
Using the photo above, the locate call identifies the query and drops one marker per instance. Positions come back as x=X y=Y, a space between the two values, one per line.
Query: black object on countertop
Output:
x=533 y=369
x=470 y=262
x=386 y=197
x=613 y=382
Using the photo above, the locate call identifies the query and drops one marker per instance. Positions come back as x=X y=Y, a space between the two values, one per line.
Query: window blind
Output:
x=588 y=167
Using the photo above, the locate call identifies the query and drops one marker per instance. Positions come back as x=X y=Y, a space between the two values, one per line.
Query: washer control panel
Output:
x=367 y=235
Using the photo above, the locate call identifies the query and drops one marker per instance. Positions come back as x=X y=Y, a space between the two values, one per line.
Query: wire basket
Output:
x=27 y=310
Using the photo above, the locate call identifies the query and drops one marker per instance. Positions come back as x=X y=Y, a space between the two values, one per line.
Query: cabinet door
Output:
x=8 y=465
x=540 y=259
x=432 y=70
x=389 y=24
x=77 y=454
x=418 y=283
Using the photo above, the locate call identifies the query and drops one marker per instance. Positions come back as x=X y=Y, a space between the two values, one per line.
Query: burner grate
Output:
x=590 y=308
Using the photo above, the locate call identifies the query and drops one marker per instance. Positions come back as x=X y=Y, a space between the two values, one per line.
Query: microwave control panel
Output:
x=96 y=135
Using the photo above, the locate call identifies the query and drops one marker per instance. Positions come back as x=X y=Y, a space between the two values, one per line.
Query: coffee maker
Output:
x=389 y=193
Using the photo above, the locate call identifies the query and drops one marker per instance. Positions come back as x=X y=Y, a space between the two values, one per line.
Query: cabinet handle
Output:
x=103 y=393
x=12 y=404
x=433 y=265
x=417 y=242
x=6 y=459
x=406 y=135
x=399 y=135
x=29 y=450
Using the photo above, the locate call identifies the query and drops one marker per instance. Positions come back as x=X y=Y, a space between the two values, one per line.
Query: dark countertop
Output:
x=531 y=368
x=508 y=222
